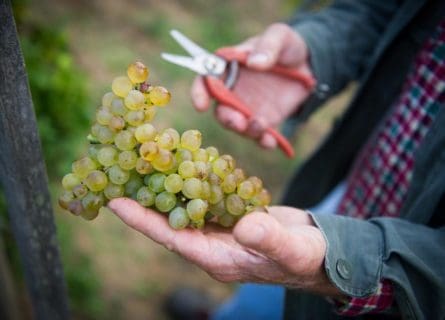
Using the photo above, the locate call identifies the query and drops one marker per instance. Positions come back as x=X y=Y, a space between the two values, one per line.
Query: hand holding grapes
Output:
x=274 y=97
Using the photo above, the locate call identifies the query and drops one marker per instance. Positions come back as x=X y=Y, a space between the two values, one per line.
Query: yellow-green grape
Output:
x=107 y=156
x=168 y=139
x=159 y=96
x=156 y=182
x=113 y=191
x=216 y=194
x=83 y=167
x=118 y=107
x=206 y=190
x=127 y=160
x=197 y=224
x=149 y=113
x=107 y=98
x=146 y=197
x=257 y=183
x=214 y=179
x=246 y=190
x=145 y=132
x=212 y=152
x=135 y=117
x=137 y=72
x=143 y=167
x=221 y=167
x=164 y=160
x=75 y=207
x=200 y=155
x=187 y=169
x=118 y=175
x=227 y=220
x=65 y=198
x=235 y=204
x=96 y=180
x=104 y=135
x=192 y=188
x=134 y=100
x=103 y=116
x=91 y=204
x=202 y=170
x=196 y=209
x=116 y=123
x=173 y=183
x=218 y=209
x=183 y=155
x=80 y=191
x=95 y=129
x=262 y=198
x=178 y=218
x=121 y=86
x=165 y=201
x=149 y=150
x=125 y=140
x=230 y=161
x=191 y=140
x=133 y=184
x=93 y=150
x=70 y=180
x=229 y=183
x=239 y=175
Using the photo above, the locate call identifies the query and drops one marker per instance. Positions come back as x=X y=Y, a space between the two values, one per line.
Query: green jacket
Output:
x=373 y=42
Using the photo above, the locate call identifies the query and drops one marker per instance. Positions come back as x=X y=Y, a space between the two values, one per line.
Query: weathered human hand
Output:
x=273 y=98
x=282 y=247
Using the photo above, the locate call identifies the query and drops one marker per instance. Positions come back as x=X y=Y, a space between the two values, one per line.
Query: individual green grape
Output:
x=187 y=169
x=227 y=220
x=83 y=167
x=127 y=160
x=143 y=167
x=159 y=96
x=182 y=155
x=239 y=175
x=89 y=214
x=118 y=175
x=105 y=135
x=229 y=183
x=107 y=156
x=191 y=140
x=212 y=152
x=262 y=198
x=80 y=191
x=146 y=197
x=113 y=191
x=156 y=182
x=235 y=204
x=149 y=150
x=164 y=161
x=218 y=209
x=134 y=100
x=145 y=132
x=206 y=190
x=135 y=117
x=257 y=183
x=168 y=139
x=125 y=140
x=116 y=123
x=70 y=180
x=75 y=207
x=202 y=170
x=214 y=179
x=246 y=190
x=103 y=116
x=230 y=161
x=197 y=224
x=65 y=198
x=133 y=184
x=118 y=107
x=149 y=113
x=165 y=201
x=173 y=183
x=221 y=167
x=93 y=201
x=95 y=128
x=121 y=86
x=196 y=209
x=216 y=194
x=96 y=180
x=178 y=218
x=137 y=72
x=192 y=188
x=93 y=150
x=107 y=98
x=200 y=154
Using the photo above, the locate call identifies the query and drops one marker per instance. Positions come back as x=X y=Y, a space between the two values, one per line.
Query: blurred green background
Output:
x=73 y=49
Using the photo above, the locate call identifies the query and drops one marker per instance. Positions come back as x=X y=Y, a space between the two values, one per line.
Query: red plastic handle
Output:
x=220 y=92
x=306 y=80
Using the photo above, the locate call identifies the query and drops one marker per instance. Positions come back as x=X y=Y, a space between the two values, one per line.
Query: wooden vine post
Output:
x=24 y=180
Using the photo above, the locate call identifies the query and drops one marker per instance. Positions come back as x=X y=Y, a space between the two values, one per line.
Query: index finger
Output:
x=200 y=96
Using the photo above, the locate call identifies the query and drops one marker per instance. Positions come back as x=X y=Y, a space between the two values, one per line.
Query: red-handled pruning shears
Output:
x=213 y=67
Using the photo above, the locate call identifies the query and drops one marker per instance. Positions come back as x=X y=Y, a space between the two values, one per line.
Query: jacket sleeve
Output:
x=412 y=256
x=341 y=40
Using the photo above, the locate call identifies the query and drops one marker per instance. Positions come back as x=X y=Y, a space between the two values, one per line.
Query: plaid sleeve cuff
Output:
x=378 y=302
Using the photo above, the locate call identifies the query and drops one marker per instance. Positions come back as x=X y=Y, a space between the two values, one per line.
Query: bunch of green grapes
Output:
x=161 y=169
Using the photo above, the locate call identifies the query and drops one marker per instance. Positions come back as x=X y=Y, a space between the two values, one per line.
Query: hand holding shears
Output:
x=226 y=62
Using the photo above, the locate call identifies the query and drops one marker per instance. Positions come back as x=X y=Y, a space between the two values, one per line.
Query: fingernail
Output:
x=258 y=59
